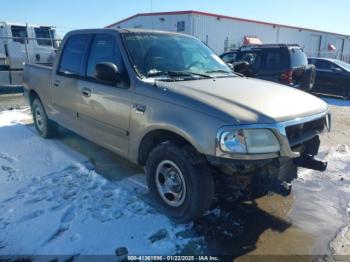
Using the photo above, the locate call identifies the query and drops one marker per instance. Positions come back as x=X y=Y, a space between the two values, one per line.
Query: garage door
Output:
x=314 y=44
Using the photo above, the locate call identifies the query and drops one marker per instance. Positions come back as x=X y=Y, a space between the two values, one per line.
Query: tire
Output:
x=346 y=94
x=191 y=182
x=44 y=126
x=309 y=78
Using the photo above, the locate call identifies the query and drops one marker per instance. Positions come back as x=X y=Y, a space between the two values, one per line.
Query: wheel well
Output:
x=154 y=138
x=32 y=96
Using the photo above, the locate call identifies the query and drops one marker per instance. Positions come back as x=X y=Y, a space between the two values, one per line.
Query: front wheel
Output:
x=44 y=126
x=179 y=181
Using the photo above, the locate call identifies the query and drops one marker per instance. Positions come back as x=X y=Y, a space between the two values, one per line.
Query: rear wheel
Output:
x=179 y=181
x=346 y=93
x=44 y=126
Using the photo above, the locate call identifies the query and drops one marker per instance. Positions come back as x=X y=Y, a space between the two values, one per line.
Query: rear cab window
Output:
x=74 y=55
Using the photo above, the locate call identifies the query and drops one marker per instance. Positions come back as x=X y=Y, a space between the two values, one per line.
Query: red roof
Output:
x=331 y=47
x=220 y=16
x=251 y=41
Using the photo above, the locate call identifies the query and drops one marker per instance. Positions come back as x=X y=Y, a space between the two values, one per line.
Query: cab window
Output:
x=72 y=58
x=229 y=57
x=252 y=58
x=324 y=65
x=19 y=31
x=273 y=60
x=45 y=36
x=104 y=48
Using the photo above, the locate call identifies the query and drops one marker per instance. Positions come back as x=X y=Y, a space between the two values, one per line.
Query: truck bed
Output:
x=37 y=76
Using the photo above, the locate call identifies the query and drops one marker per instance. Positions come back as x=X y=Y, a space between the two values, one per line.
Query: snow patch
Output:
x=50 y=203
x=340 y=246
x=12 y=117
x=338 y=168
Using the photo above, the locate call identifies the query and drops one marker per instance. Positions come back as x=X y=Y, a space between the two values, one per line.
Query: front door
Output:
x=104 y=109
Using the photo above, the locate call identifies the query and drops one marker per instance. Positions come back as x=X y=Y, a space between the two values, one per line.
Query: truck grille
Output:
x=297 y=134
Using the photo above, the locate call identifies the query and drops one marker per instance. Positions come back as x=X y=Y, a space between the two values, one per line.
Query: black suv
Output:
x=281 y=63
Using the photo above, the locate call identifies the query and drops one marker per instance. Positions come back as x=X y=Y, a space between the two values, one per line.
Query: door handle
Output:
x=86 y=92
x=57 y=83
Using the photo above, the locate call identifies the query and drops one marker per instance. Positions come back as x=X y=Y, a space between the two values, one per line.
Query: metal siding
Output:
x=154 y=22
x=216 y=31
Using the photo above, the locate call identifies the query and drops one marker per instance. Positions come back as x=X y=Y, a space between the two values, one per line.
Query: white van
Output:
x=21 y=43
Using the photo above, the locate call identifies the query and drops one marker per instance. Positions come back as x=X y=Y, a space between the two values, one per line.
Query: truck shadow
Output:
x=104 y=162
x=228 y=229
x=234 y=229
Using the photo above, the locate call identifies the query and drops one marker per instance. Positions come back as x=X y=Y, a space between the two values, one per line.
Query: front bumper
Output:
x=289 y=148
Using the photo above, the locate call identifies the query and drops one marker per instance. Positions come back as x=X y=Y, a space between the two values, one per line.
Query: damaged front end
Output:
x=300 y=145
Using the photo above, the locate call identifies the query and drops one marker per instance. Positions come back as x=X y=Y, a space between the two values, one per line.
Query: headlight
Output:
x=249 y=141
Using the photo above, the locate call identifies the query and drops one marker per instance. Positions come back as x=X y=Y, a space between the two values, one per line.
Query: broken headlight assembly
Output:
x=248 y=141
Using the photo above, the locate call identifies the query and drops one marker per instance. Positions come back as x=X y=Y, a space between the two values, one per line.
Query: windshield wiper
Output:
x=223 y=73
x=219 y=71
x=176 y=74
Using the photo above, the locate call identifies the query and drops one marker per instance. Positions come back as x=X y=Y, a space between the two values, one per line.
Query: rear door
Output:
x=104 y=109
x=65 y=81
x=275 y=62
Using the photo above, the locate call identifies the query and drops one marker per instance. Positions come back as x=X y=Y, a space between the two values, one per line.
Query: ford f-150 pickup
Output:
x=167 y=102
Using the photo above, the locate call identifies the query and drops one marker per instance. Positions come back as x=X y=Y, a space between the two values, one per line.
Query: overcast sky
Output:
x=331 y=15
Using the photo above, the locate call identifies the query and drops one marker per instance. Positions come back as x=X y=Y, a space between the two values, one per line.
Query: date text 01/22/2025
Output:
x=172 y=258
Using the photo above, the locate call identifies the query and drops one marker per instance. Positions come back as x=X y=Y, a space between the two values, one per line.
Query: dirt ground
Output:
x=300 y=224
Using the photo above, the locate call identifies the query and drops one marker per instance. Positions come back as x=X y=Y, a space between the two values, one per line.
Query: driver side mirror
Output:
x=107 y=72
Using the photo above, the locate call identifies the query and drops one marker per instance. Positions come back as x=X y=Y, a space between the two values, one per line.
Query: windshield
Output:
x=344 y=65
x=298 y=57
x=175 y=56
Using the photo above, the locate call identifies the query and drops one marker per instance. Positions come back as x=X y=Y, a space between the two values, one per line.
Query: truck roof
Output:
x=247 y=47
x=126 y=30
x=24 y=24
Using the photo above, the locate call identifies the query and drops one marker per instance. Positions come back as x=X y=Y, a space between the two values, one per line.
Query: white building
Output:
x=222 y=33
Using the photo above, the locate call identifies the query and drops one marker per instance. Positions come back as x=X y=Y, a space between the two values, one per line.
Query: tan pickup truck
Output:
x=167 y=102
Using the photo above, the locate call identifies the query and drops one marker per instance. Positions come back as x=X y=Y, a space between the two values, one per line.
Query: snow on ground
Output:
x=50 y=203
x=327 y=209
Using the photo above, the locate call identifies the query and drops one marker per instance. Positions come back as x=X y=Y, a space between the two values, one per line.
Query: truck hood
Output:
x=249 y=101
